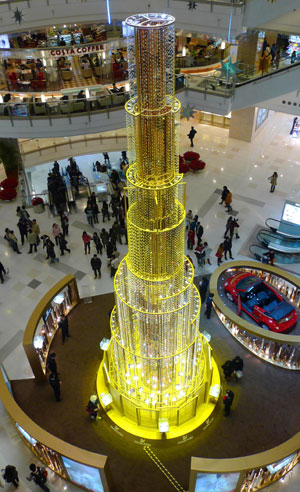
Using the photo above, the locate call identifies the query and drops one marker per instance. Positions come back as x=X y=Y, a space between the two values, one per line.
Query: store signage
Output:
x=81 y=50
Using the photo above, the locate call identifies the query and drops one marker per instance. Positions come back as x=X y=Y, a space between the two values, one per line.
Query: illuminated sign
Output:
x=73 y=51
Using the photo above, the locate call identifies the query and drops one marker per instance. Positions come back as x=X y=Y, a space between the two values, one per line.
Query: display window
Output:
x=222 y=482
x=86 y=476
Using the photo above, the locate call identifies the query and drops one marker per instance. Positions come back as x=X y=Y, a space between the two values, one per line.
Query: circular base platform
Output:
x=202 y=416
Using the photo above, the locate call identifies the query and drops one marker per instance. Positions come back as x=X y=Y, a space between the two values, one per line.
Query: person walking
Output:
x=273 y=181
x=203 y=288
x=117 y=231
x=96 y=264
x=62 y=242
x=36 y=228
x=227 y=248
x=114 y=265
x=11 y=475
x=227 y=401
x=238 y=366
x=86 y=238
x=64 y=224
x=89 y=214
x=37 y=474
x=56 y=230
x=97 y=243
x=219 y=253
x=105 y=212
x=22 y=226
x=191 y=135
x=32 y=240
x=189 y=218
x=208 y=305
x=63 y=325
x=228 y=201
x=223 y=195
x=110 y=249
x=50 y=251
x=13 y=241
x=51 y=364
x=295 y=121
x=2 y=272
x=200 y=254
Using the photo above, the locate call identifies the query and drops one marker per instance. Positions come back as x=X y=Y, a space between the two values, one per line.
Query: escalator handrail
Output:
x=290 y=236
x=276 y=235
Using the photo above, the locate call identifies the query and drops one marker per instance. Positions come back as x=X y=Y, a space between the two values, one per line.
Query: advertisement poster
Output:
x=291 y=213
x=216 y=482
x=84 y=475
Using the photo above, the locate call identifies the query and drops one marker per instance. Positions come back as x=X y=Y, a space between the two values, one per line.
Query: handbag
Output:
x=6 y=271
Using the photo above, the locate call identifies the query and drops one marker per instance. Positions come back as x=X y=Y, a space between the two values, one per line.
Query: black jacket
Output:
x=96 y=263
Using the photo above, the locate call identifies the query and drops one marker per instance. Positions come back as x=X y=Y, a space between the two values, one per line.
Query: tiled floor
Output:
x=238 y=165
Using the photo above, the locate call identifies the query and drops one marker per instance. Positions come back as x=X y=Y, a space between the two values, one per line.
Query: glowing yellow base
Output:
x=203 y=413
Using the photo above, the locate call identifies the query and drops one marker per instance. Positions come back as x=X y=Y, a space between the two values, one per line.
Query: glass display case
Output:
x=60 y=305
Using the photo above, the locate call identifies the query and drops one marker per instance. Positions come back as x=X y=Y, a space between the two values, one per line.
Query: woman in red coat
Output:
x=86 y=238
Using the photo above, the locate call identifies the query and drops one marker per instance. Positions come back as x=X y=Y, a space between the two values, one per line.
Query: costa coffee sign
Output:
x=81 y=50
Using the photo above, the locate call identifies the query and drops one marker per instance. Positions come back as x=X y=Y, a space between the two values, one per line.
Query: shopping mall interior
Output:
x=177 y=366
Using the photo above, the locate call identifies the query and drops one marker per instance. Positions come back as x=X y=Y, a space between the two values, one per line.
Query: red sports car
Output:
x=260 y=301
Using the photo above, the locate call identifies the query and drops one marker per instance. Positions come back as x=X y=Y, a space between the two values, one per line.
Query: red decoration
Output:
x=197 y=165
x=37 y=201
x=183 y=167
x=8 y=194
x=9 y=183
x=191 y=156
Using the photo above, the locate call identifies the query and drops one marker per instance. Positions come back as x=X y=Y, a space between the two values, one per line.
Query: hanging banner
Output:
x=73 y=51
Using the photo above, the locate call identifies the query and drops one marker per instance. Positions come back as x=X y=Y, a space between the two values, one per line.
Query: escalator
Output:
x=287 y=250
x=283 y=228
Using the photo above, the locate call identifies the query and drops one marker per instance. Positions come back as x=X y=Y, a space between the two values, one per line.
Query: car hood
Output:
x=279 y=311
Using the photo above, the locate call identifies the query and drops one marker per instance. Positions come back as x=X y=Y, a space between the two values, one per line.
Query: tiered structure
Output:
x=158 y=363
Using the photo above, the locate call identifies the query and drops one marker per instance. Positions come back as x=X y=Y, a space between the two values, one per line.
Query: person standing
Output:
x=36 y=472
x=207 y=251
x=36 y=228
x=234 y=229
x=208 y=305
x=13 y=241
x=191 y=135
x=114 y=265
x=191 y=239
x=273 y=181
x=50 y=251
x=227 y=401
x=105 y=212
x=104 y=237
x=56 y=230
x=117 y=231
x=199 y=232
x=203 y=288
x=228 y=201
x=63 y=244
x=2 y=272
x=219 y=253
x=89 y=214
x=228 y=227
x=32 y=241
x=63 y=325
x=95 y=210
x=86 y=238
x=97 y=243
x=22 y=225
x=64 y=224
x=96 y=264
x=11 y=475
x=227 y=248
x=271 y=257
x=51 y=364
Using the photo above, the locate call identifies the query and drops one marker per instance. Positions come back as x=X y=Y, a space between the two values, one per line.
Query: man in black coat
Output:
x=22 y=225
x=52 y=364
x=64 y=326
x=191 y=135
x=55 y=384
x=96 y=265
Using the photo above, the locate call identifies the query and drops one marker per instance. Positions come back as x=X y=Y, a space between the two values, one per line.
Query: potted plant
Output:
x=10 y=156
x=197 y=165
x=191 y=156
x=9 y=183
x=8 y=194
x=38 y=205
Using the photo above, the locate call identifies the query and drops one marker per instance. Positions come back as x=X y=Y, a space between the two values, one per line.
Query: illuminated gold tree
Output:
x=158 y=363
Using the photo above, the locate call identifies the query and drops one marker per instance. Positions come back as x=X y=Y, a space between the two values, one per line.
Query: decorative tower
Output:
x=158 y=368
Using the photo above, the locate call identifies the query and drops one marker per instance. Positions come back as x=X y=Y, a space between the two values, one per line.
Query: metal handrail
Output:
x=285 y=234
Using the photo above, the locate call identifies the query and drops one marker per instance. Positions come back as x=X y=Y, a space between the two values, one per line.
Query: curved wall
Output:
x=209 y=18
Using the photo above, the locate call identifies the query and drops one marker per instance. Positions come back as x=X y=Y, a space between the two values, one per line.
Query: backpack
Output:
x=41 y=475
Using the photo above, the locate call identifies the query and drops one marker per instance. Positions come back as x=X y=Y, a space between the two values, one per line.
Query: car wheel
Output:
x=229 y=296
x=263 y=325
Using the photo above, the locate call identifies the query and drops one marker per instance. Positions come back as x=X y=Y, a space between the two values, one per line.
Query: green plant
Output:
x=9 y=154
